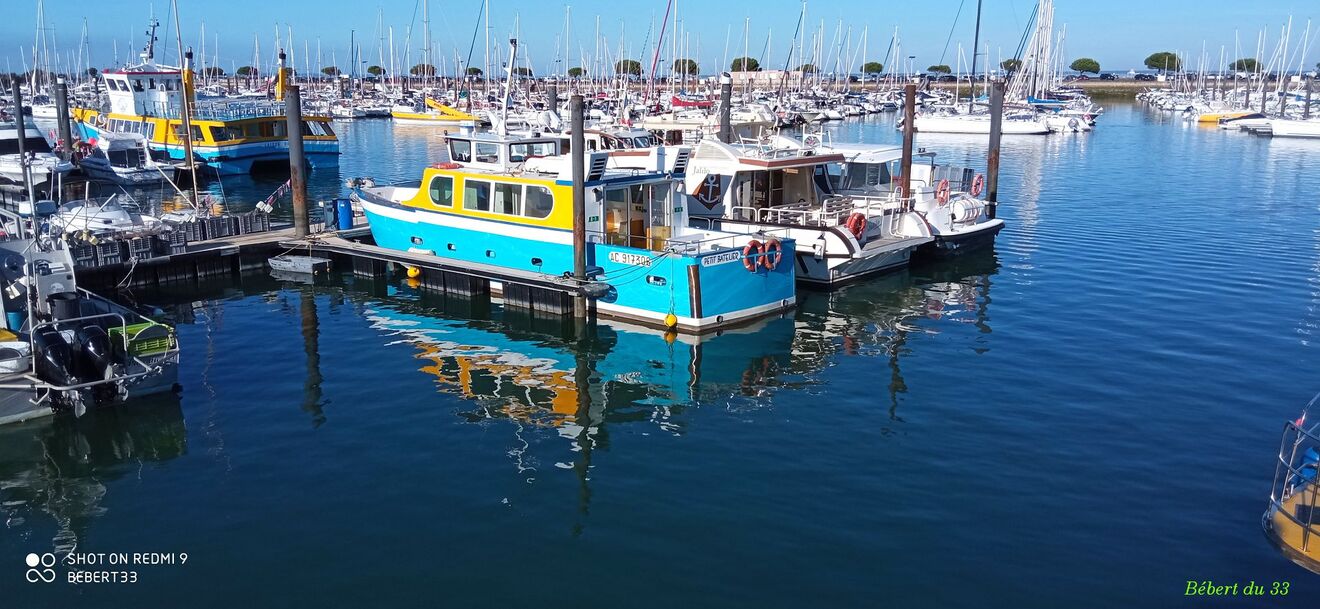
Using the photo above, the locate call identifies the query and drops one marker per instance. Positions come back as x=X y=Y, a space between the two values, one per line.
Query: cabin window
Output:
x=507 y=199
x=252 y=130
x=865 y=175
x=476 y=195
x=150 y=131
x=279 y=128
x=325 y=126
x=488 y=152
x=151 y=83
x=521 y=152
x=460 y=151
x=662 y=211
x=538 y=202
x=315 y=127
x=137 y=85
x=224 y=134
x=442 y=191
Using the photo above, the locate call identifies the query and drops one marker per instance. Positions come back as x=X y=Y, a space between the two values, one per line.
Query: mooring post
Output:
x=1306 y=108
x=552 y=98
x=579 y=151
x=909 y=129
x=20 y=124
x=297 y=164
x=726 y=112
x=62 y=114
x=992 y=157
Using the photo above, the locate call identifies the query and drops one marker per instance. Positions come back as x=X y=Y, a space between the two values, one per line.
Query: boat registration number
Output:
x=633 y=259
x=721 y=258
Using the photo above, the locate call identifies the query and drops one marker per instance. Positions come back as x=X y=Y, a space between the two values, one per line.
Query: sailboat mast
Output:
x=976 y=43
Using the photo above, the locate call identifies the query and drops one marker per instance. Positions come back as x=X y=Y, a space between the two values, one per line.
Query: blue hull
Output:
x=238 y=159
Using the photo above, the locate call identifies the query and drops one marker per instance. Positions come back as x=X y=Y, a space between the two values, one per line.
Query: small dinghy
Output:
x=305 y=265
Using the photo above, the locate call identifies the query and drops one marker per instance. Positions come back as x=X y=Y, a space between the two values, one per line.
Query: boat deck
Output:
x=895 y=243
x=1300 y=543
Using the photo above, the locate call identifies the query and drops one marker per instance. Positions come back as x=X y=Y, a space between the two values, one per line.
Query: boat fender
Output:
x=978 y=184
x=856 y=224
x=942 y=192
x=753 y=248
x=769 y=260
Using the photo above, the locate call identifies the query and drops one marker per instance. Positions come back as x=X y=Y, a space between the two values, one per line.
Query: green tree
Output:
x=1164 y=61
x=522 y=71
x=807 y=68
x=873 y=67
x=375 y=70
x=213 y=71
x=686 y=67
x=576 y=72
x=330 y=71
x=93 y=72
x=1085 y=64
x=1246 y=64
x=940 y=69
x=422 y=69
x=745 y=64
x=473 y=71
x=1011 y=65
x=246 y=71
x=628 y=66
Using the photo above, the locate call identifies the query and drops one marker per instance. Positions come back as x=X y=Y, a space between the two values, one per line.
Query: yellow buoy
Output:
x=414 y=272
x=671 y=320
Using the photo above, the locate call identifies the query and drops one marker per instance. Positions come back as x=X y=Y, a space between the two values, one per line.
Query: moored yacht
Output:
x=43 y=163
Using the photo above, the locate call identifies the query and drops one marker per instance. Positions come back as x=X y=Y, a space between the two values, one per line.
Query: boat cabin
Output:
x=742 y=181
x=145 y=90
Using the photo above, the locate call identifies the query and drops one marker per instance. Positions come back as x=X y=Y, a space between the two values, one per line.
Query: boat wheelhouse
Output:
x=778 y=186
x=507 y=201
x=230 y=138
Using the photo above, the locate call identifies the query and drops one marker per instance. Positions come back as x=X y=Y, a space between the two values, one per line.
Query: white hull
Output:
x=1295 y=128
x=976 y=124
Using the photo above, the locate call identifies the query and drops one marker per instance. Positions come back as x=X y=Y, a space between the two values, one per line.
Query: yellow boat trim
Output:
x=560 y=217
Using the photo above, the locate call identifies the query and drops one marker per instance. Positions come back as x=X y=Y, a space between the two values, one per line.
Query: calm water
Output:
x=1084 y=417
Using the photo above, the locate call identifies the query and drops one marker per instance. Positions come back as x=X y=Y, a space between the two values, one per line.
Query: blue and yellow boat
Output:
x=230 y=138
x=507 y=201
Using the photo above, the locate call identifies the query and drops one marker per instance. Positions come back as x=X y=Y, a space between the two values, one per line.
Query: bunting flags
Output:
x=269 y=204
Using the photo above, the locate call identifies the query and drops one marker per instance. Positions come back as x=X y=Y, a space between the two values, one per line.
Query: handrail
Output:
x=1286 y=461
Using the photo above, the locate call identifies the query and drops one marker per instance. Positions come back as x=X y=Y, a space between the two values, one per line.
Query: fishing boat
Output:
x=64 y=349
x=230 y=138
x=1292 y=519
x=946 y=197
x=507 y=201
x=777 y=184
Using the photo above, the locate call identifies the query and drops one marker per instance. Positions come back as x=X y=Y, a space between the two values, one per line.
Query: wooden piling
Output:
x=20 y=124
x=62 y=114
x=297 y=164
x=579 y=151
x=726 y=112
x=992 y=157
x=909 y=130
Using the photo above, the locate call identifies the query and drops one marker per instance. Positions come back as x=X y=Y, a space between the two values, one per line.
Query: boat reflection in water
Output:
x=55 y=472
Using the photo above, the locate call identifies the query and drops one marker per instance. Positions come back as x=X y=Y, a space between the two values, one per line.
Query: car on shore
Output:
x=1144 y=77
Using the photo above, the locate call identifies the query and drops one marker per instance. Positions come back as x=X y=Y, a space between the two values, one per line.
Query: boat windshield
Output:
x=30 y=144
x=862 y=176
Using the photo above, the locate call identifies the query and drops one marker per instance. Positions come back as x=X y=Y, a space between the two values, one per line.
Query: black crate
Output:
x=141 y=248
x=194 y=231
x=244 y=224
x=179 y=248
x=260 y=222
x=235 y=227
x=110 y=252
x=219 y=228
x=176 y=237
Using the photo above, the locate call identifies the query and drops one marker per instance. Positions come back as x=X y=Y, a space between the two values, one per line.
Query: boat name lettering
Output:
x=721 y=258
x=633 y=259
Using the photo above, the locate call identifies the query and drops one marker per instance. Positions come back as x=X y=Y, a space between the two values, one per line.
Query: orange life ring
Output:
x=978 y=184
x=770 y=261
x=753 y=249
x=447 y=166
x=942 y=192
x=856 y=224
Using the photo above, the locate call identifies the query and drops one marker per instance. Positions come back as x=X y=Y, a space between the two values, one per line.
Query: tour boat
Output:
x=779 y=186
x=231 y=138
x=507 y=201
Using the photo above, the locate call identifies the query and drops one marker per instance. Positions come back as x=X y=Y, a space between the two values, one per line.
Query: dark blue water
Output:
x=1083 y=417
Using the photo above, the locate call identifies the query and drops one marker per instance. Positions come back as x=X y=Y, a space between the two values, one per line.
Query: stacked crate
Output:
x=110 y=252
x=141 y=248
x=83 y=255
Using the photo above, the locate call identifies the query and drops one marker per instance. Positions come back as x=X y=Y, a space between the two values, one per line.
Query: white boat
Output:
x=306 y=265
x=42 y=162
x=1282 y=127
x=778 y=186
x=104 y=216
x=979 y=124
x=123 y=158
x=945 y=197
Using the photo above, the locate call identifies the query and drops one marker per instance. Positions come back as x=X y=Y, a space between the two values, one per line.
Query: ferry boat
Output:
x=774 y=184
x=230 y=138
x=1292 y=519
x=944 y=196
x=507 y=201
x=63 y=348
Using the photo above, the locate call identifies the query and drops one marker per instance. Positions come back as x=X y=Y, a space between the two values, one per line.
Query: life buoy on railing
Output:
x=942 y=192
x=100 y=121
x=856 y=224
x=978 y=184
x=752 y=249
x=447 y=166
x=771 y=260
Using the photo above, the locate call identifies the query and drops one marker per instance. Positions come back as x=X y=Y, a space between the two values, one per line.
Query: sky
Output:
x=1117 y=33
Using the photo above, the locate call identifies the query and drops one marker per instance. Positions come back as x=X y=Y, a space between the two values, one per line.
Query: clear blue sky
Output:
x=1118 y=33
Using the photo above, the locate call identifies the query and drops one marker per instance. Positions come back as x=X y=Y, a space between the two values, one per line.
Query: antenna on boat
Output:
x=149 y=53
x=508 y=87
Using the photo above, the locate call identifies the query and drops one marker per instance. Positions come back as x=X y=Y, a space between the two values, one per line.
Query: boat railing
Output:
x=832 y=211
x=1296 y=471
x=226 y=111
